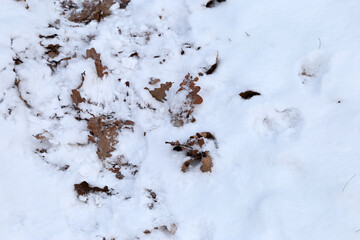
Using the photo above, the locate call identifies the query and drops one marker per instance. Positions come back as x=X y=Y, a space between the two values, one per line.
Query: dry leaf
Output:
x=207 y=163
x=76 y=97
x=212 y=3
x=213 y=67
x=154 y=81
x=184 y=115
x=91 y=53
x=248 y=94
x=17 y=84
x=104 y=133
x=84 y=189
x=53 y=50
x=92 y=10
x=192 y=148
x=159 y=93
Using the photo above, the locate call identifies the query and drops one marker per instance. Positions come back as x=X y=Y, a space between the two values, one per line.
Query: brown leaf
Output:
x=17 y=61
x=124 y=3
x=159 y=93
x=76 y=97
x=104 y=133
x=53 y=50
x=192 y=148
x=154 y=81
x=91 y=53
x=92 y=10
x=184 y=115
x=213 y=67
x=248 y=94
x=17 y=84
x=186 y=164
x=207 y=163
x=211 y=3
x=44 y=136
x=84 y=189
x=48 y=36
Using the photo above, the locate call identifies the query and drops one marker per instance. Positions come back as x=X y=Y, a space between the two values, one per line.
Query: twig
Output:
x=348 y=182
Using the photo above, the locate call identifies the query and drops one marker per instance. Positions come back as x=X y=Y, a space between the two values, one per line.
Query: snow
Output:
x=286 y=163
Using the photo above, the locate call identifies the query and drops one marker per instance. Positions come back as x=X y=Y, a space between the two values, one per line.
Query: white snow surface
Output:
x=287 y=162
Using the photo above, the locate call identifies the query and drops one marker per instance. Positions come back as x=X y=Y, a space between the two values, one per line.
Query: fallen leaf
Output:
x=213 y=67
x=248 y=94
x=84 y=189
x=182 y=115
x=207 y=163
x=91 y=53
x=92 y=10
x=159 y=93
x=154 y=81
x=193 y=149
x=76 y=97
x=104 y=132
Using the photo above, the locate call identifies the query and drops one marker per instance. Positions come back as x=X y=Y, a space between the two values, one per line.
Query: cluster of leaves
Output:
x=91 y=10
x=104 y=132
x=100 y=69
x=193 y=149
x=184 y=114
x=119 y=168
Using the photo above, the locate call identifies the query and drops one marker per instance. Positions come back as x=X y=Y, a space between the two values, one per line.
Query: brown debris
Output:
x=84 y=189
x=213 y=67
x=17 y=61
x=44 y=136
x=17 y=84
x=76 y=97
x=124 y=3
x=249 y=94
x=104 y=132
x=125 y=166
x=91 y=53
x=192 y=149
x=92 y=10
x=167 y=229
x=159 y=93
x=154 y=81
x=152 y=196
x=48 y=36
x=212 y=3
x=53 y=50
x=179 y=118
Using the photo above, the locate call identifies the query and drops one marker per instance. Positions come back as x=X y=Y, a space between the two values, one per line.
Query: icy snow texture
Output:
x=284 y=160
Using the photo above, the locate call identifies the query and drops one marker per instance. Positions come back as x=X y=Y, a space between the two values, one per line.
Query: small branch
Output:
x=348 y=182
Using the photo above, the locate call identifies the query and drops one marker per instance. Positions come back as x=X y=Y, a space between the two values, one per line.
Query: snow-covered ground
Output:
x=283 y=165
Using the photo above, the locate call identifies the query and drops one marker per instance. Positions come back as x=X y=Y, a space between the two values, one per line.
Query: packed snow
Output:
x=154 y=139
